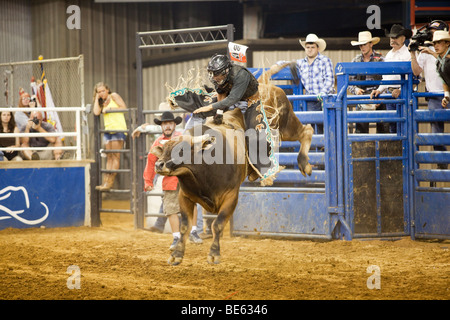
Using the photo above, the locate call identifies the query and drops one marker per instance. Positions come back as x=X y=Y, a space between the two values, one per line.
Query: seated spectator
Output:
x=26 y=101
x=9 y=126
x=35 y=124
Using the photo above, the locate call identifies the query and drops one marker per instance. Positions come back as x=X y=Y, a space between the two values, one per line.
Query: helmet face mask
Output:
x=218 y=77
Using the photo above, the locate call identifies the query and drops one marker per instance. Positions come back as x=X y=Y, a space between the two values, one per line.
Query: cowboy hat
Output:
x=312 y=38
x=167 y=116
x=441 y=35
x=365 y=37
x=398 y=30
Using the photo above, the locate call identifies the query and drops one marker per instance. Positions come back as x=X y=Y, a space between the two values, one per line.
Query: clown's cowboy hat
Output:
x=168 y=116
x=312 y=38
x=365 y=37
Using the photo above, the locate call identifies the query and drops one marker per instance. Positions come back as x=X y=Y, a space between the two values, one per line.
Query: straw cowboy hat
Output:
x=168 y=116
x=365 y=37
x=441 y=35
x=398 y=30
x=312 y=38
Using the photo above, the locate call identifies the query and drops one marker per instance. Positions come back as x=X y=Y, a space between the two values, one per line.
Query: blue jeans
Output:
x=393 y=125
x=315 y=106
x=436 y=127
x=160 y=222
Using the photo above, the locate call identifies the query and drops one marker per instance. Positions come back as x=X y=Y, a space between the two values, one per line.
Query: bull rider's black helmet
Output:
x=219 y=65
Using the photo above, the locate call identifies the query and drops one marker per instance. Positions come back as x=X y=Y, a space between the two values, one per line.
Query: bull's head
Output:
x=178 y=153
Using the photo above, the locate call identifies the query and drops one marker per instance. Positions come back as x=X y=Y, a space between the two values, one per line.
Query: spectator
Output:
x=171 y=205
x=105 y=100
x=365 y=43
x=316 y=73
x=425 y=62
x=21 y=117
x=35 y=124
x=399 y=52
x=441 y=42
x=9 y=126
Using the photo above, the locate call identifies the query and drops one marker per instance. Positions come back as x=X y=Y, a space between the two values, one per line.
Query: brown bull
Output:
x=215 y=186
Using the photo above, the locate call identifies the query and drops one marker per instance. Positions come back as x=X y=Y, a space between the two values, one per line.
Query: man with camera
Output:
x=35 y=124
x=423 y=59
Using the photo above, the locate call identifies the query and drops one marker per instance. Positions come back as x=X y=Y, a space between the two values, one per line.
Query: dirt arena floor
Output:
x=118 y=262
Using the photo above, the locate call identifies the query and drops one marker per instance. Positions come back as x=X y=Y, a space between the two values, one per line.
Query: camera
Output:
x=419 y=39
x=35 y=120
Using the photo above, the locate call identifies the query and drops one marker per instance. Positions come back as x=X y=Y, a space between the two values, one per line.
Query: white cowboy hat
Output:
x=365 y=37
x=312 y=38
x=441 y=35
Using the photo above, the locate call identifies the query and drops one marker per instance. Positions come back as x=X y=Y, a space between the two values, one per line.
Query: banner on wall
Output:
x=237 y=52
x=35 y=197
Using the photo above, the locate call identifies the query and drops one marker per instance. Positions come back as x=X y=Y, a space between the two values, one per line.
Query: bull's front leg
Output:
x=187 y=211
x=225 y=213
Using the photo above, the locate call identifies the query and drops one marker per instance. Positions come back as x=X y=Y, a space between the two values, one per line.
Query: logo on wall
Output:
x=17 y=202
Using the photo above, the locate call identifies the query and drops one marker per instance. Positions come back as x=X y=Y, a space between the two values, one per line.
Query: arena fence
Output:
x=370 y=185
x=58 y=85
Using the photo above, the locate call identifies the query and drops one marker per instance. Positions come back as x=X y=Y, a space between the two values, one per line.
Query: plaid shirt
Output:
x=317 y=78
x=374 y=57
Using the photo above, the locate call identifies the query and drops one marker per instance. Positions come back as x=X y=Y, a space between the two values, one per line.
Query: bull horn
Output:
x=199 y=139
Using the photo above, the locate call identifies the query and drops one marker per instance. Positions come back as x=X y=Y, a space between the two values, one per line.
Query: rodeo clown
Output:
x=237 y=87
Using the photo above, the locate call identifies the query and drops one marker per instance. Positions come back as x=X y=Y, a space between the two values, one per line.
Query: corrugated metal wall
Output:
x=107 y=36
x=156 y=78
x=15 y=31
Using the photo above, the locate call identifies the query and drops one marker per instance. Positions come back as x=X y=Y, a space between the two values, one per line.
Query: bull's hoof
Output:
x=213 y=259
x=174 y=261
x=308 y=169
x=305 y=168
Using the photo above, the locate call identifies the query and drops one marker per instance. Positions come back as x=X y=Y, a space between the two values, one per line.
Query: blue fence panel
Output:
x=371 y=185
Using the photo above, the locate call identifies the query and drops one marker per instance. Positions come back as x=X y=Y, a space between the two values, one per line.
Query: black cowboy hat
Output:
x=398 y=30
x=168 y=116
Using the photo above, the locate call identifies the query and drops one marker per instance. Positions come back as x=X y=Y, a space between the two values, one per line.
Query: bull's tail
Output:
x=266 y=75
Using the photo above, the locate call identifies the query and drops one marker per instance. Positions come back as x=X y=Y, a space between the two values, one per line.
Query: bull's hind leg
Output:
x=225 y=213
x=305 y=142
x=291 y=129
x=187 y=212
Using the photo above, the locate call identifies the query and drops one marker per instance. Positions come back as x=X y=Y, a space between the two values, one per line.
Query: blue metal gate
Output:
x=431 y=201
x=370 y=187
